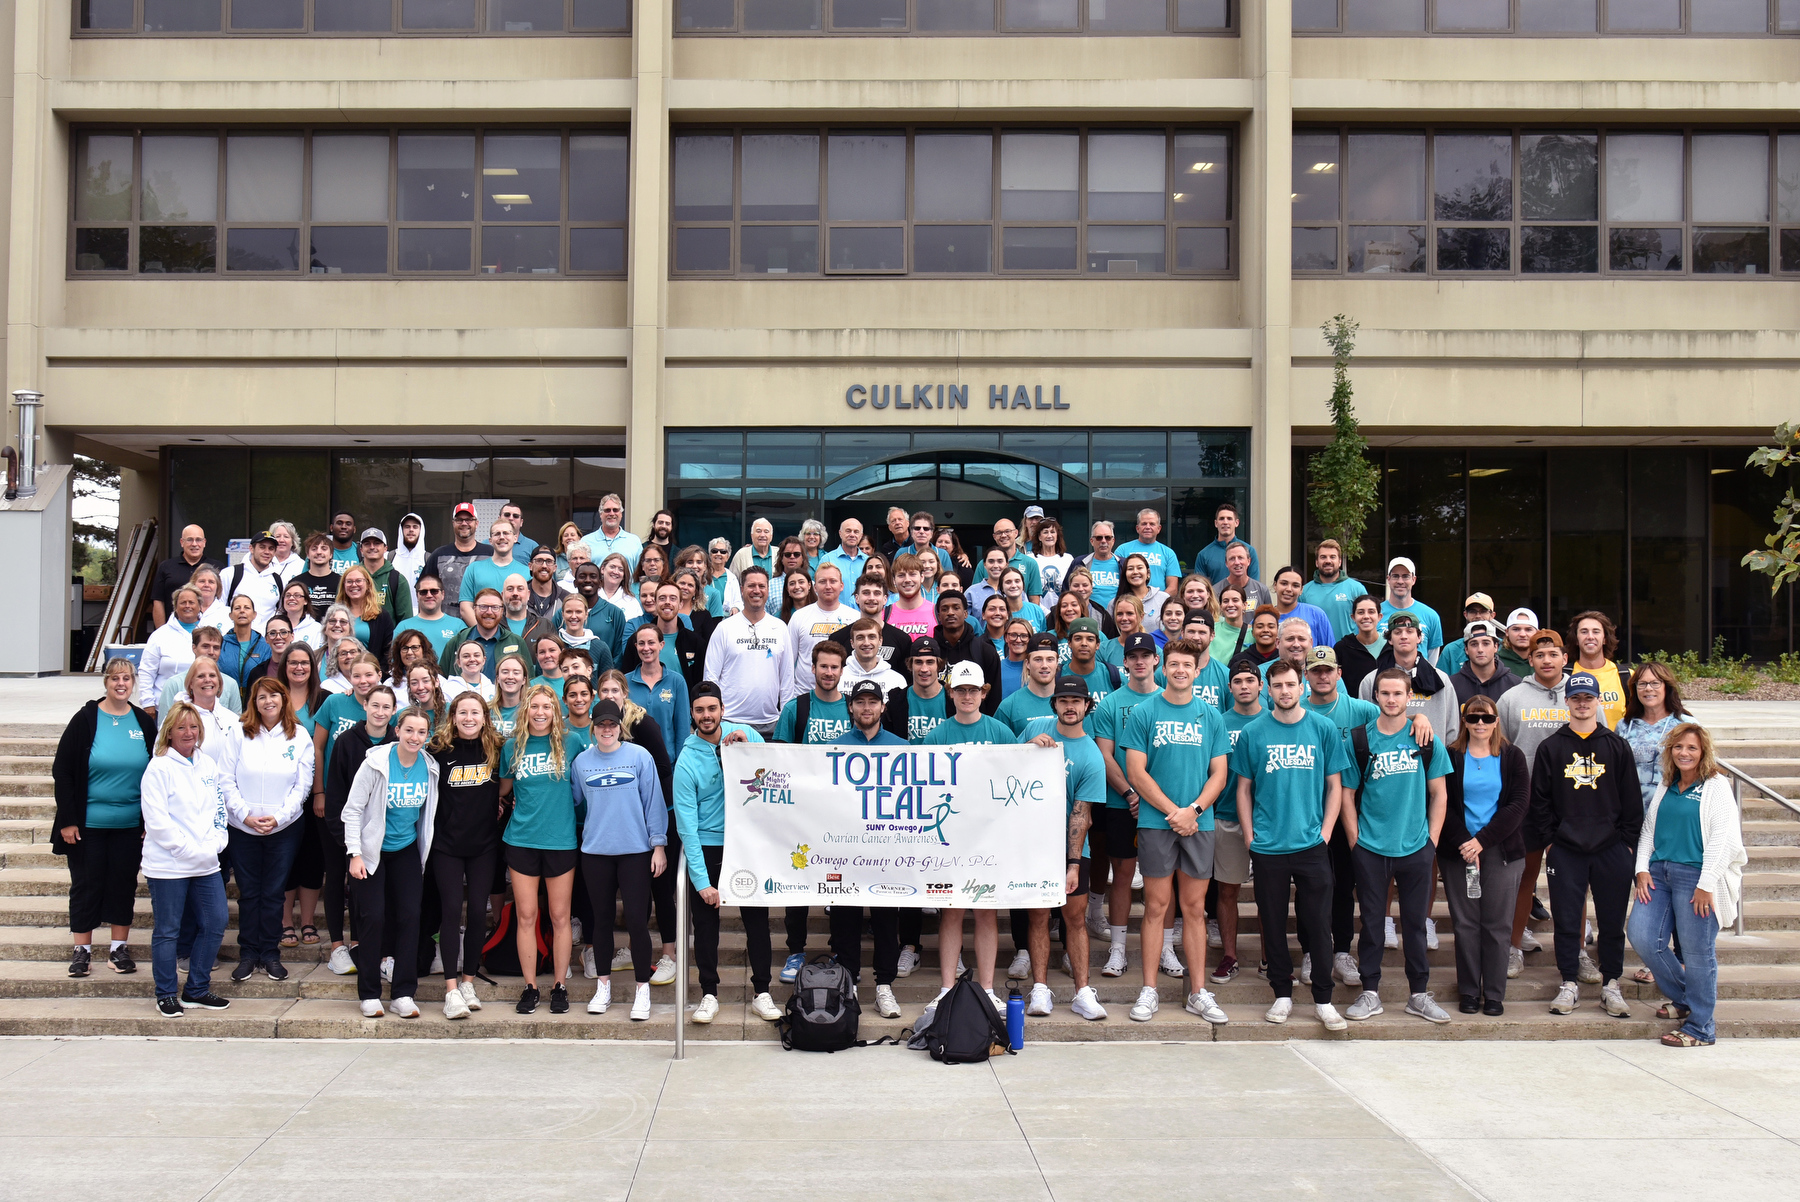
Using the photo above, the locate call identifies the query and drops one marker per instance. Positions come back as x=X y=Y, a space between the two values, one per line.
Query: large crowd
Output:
x=492 y=754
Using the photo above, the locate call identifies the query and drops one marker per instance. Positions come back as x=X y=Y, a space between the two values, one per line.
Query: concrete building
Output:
x=813 y=257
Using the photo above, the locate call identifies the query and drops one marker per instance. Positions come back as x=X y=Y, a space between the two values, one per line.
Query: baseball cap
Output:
x=867 y=688
x=266 y=536
x=705 y=688
x=1034 y=511
x=1482 y=626
x=1321 y=657
x=375 y=534
x=1403 y=619
x=1401 y=561
x=1043 y=640
x=1080 y=625
x=1522 y=617
x=606 y=710
x=926 y=645
x=967 y=675
x=463 y=510
x=1482 y=599
x=1580 y=683
x=1246 y=665
x=1544 y=636
x=1139 y=642
x=1198 y=615
x=1070 y=686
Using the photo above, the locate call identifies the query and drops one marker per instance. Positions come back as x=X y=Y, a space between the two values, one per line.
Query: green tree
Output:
x=95 y=553
x=1342 y=485
x=1781 y=562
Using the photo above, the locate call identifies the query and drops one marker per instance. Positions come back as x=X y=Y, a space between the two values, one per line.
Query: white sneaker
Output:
x=1146 y=1006
x=575 y=931
x=1390 y=937
x=1115 y=961
x=1279 y=1011
x=931 y=1007
x=1528 y=942
x=706 y=1011
x=589 y=969
x=909 y=960
x=1431 y=939
x=886 y=1004
x=1306 y=969
x=405 y=1007
x=1515 y=962
x=1612 y=1000
x=372 y=1008
x=1096 y=918
x=1207 y=1007
x=764 y=1007
x=454 y=1006
x=1366 y=1005
x=1087 y=1005
x=387 y=968
x=1068 y=965
x=602 y=996
x=1175 y=931
x=1042 y=1001
x=999 y=1002
x=1344 y=968
x=1587 y=932
x=467 y=989
x=1213 y=938
x=1588 y=972
x=664 y=973
x=1423 y=1005
x=621 y=957
x=1171 y=964
x=960 y=970
x=640 y=1005
x=1329 y=1016
x=1137 y=878
x=1567 y=998
x=342 y=962
x=1020 y=968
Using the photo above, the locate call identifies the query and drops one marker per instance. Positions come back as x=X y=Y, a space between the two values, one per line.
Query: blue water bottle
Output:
x=1015 y=1020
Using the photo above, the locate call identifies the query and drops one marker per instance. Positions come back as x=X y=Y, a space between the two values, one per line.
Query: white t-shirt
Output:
x=262 y=587
x=1054 y=569
x=810 y=626
x=752 y=663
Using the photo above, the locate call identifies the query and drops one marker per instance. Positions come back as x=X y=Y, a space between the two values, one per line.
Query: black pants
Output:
x=1609 y=874
x=706 y=933
x=262 y=864
x=662 y=888
x=334 y=891
x=1344 y=892
x=387 y=907
x=462 y=880
x=627 y=877
x=103 y=872
x=1309 y=874
x=308 y=869
x=911 y=926
x=1412 y=876
x=796 y=927
x=846 y=939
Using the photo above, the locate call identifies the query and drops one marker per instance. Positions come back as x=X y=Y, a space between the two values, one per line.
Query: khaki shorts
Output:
x=1231 y=859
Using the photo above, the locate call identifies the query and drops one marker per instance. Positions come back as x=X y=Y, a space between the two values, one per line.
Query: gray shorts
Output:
x=1163 y=852
x=1231 y=859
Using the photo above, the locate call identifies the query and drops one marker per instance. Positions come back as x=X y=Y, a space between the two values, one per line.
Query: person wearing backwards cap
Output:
x=1515 y=645
x=1401 y=576
x=1479 y=607
x=409 y=554
x=1481 y=672
x=1586 y=807
x=258 y=578
x=1033 y=700
x=1084 y=646
x=868 y=702
x=393 y=588
x=1530 y=712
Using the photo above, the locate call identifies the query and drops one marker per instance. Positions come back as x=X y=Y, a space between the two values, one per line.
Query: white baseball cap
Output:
x=1401 y=561
x=967 y=673
x=1522 y=617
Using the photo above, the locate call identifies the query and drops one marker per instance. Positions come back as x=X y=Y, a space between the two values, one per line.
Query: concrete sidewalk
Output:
x=267 y=1121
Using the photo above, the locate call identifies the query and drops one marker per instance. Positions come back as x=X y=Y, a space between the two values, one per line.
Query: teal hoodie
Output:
x=700 y=799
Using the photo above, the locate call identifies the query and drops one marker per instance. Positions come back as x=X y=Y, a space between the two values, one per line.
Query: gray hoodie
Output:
x=1530 y=713
x=365 y=810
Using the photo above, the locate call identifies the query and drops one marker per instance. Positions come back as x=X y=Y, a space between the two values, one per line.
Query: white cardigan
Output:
x=1723 y=857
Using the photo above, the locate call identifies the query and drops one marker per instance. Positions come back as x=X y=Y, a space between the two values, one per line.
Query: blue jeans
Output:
x=1692 y=979
x=261 y=863
x=202 y=897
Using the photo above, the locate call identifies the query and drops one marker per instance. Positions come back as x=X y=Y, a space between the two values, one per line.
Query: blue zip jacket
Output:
x=671 y=714
x=700 y=799
x=239 y=661
x=622 y=796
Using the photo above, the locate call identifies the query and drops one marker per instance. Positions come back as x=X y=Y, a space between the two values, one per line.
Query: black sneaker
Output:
x=1468 y=1004
x=79 y=959
x=169 y=1007
x=121 y=960
x=528 y=1000
x=206 y=1001
x=1493 y=1008
x=244 y=971
x=559 y=1000
x=276 y=969
x=1538 y=913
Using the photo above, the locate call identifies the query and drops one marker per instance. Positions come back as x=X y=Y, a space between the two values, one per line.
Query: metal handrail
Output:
x=1740 y=778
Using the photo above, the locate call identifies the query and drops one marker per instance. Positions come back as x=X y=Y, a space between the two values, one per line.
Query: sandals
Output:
x=288 y=938
x=1672 y=1012
x=1681 y=1039
x=309 y=934
x=1644 y=976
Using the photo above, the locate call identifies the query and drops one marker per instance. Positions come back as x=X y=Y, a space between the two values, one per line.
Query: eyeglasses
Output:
x=1100 y=538
x=1480 y=719
x=926 y=529
x=487 y=609
x=721 y=551
x=467 y=517
x=430 y=592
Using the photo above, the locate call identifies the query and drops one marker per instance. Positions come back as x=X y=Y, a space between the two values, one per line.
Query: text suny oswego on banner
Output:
x=970 y=826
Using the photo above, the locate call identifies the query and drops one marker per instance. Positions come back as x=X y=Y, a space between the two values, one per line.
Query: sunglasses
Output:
x=1480 y=719
x=431 y=592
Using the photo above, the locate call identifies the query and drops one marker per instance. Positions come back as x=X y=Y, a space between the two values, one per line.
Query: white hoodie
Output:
x=184 y=816
x=409 y=562
x=267 y=775
x=168 y=653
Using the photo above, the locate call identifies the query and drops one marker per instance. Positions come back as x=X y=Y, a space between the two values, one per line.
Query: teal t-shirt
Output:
x=1346 y=713
x=576 y=740
x=115 y=773
x=1391 y=817
x=1678 y=828
x=555 y=682
x=438 y=631
x=1108 y=722
x=543 y=807
x=825 y=721
x=1021 y=706
x=1162 y=558
x=1031 y=612
x=1084 y=768
x=1179 y=743
x=345 y=557
x=405 y=801
x=338 y=714
x=1099 y=681
x=1234 y=726
x=1430 y=625
x=1287 y=766
x=923 y=714
x=506 y=718
x=1034 y=578
x=485 y=573
x=984 y=729
x=883 y=738
x=1211 y=684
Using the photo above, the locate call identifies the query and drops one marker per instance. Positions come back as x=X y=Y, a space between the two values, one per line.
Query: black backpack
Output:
x=500 y=954
x=965 y=1029
x=823 y=1013
x=1359 y=743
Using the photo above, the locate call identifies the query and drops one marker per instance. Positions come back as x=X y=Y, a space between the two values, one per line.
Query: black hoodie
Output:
x=1584 y=793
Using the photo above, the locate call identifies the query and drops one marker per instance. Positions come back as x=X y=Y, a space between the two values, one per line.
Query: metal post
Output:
x=681 y=955
x=28 y=403
x=1737 y=793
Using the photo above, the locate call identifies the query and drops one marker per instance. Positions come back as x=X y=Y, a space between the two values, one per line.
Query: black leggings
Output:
x=337 y=874
x=388 y=899
x=460 y=879
x=308 y=869
x=662 y=889
x=627 y=877
x=103 y=872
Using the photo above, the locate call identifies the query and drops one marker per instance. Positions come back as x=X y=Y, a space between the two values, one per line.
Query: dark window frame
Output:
x=394 y=29
x=1773 y=29
x=1231 y=29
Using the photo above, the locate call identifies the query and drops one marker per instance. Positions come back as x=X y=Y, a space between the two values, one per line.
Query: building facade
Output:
x=810 y=258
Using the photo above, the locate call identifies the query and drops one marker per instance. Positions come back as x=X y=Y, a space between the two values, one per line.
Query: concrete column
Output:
x=28 y=122
x=1267 y=273
x=648 y=289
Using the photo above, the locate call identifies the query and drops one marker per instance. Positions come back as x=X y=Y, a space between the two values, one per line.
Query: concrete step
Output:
x=48 y=731
x=1771 y=832
x=39 y=808
x=24 y=765
x=26 y=830
x=31 y=785
x=1767 y=745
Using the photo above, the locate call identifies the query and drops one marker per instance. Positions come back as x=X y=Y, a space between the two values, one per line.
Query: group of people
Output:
x=429 y=768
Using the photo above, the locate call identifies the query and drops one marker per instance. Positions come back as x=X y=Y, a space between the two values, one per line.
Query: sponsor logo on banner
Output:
x=798 y=858
x=976 y=891
x=743 y=883
x=774 y=886
x=890 y=889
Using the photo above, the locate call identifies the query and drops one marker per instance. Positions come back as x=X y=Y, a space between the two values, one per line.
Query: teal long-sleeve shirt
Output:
x=700 y=799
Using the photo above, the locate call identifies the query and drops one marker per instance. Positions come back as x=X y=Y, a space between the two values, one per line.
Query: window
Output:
x=370 y=202
x=1537 y=18
x=959 y=18
x=970 y=201
x=1475 y=202
x=348 y=18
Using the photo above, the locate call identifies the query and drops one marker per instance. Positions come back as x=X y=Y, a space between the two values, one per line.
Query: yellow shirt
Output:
x=1612 y=693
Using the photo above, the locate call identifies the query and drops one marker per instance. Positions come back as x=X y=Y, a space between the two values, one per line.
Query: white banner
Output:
x=973 y=826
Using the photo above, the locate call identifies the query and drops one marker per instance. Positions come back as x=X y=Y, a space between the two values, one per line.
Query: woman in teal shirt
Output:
x=100 y=762
x=509 y=692
x=540 y=837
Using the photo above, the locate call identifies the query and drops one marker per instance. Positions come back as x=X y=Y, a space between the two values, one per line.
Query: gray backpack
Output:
x=823 y=1014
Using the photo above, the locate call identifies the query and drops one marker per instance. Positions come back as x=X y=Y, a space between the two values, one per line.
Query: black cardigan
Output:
x=69 y=770
x=1506 y=828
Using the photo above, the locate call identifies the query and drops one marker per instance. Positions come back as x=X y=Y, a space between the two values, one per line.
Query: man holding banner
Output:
x=868 y=703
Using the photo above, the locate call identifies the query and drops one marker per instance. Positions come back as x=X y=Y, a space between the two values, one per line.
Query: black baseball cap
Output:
x=1243 y=664
x=867 y=688
x=1070 y=686
x=925 y=645
x=1198 y=615
x=1139 y=642
x=1043 y=640
x=606 y=710
x=705 y=688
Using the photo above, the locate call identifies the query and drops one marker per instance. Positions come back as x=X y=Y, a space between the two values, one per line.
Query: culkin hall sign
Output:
x=952 y=396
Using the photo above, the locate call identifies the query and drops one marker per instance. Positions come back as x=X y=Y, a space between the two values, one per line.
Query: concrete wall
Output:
x=35 y=535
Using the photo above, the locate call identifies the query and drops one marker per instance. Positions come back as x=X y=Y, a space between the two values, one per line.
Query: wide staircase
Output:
x=1759 y=974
